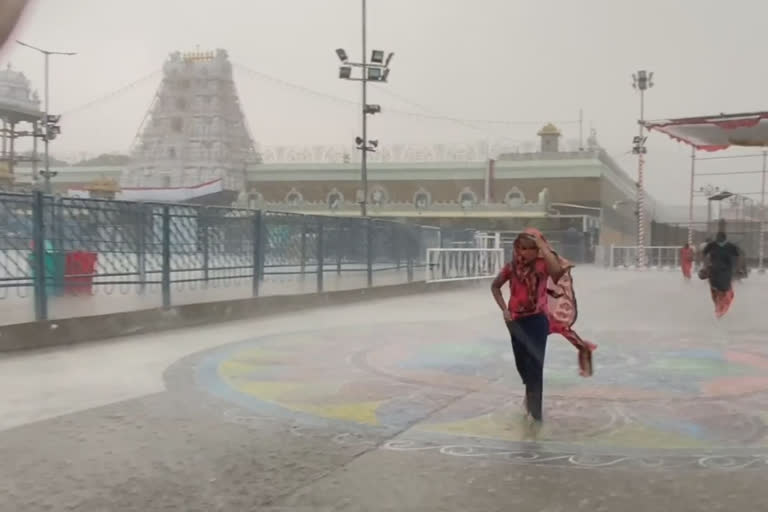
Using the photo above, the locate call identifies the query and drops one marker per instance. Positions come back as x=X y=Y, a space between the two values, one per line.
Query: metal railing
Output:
x=657 y=257
x=60 y=247
x=462 y=264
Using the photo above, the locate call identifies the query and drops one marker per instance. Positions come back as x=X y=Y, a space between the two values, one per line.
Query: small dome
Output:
x=16 y=88
x=11 y=76
x=549 y=129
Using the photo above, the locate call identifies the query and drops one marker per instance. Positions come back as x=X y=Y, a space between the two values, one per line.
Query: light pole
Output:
x=377 y=70
x=50 y=122
x=761 y=250
x=641 y=81
x=713 y=193
x=690 y=197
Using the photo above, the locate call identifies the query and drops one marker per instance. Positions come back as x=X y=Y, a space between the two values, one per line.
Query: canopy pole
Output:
x=762 y=214
x=690 y=196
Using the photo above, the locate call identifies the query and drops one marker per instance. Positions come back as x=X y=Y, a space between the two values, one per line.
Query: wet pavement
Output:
x=408 y=404
x=17 y=303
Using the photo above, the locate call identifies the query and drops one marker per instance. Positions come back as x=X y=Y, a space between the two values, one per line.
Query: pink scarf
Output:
x=563 y=312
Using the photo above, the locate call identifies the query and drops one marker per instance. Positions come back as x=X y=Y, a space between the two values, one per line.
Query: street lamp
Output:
x=761 y=249
x=713 y=193
x=641 y=81
x=51 y=126
x=377 y=70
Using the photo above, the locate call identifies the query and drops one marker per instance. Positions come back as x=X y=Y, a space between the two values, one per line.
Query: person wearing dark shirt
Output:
x=721 y=259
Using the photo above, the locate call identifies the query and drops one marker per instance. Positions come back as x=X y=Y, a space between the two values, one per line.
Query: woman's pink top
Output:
x=520 y=304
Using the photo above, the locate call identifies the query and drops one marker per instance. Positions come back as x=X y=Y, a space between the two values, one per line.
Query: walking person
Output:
x=721 y=260
x=686 y=260
x=533 y=276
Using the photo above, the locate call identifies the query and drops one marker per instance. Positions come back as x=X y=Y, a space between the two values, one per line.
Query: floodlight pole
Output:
x=642 y=262
x=364 y=149
x=381 y=67
x=642 y=81
x=761 y=257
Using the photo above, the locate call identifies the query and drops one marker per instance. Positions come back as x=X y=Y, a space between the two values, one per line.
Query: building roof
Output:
x=716 y=132
x=579 y=164
x=19 y=102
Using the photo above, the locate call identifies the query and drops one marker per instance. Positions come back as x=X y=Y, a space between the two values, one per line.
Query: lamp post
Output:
x=641 y=81
x=690 y=197
x=377 y=70
x=50 y=128
x=761 y=249
x=713 y=194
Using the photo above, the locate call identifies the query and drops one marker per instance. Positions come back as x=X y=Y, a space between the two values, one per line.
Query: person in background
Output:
x=533 y=276
x=686 y=260
x=721 y=260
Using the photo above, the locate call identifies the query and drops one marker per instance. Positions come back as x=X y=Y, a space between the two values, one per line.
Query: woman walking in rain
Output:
x=721 y=259
x=541 y=302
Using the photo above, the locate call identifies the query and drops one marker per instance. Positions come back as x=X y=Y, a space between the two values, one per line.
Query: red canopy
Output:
x=713 y=133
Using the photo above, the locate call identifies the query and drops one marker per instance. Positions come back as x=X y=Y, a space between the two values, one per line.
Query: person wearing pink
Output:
x=541 y=302
x=686 y=260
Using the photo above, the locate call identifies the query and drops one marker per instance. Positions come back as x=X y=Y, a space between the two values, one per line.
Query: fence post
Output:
x=258 y=250
x=166 y=268
x=410 y=249
x=396 y=245
x=369 y=250
x=141 y=244
x=320 y=254
x=340 y=223
x=445 y=262
x=303 y=249
x=38 y=256
x=205 y=242
x=610 y=257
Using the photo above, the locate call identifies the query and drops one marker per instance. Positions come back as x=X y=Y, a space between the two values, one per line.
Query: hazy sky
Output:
x=524 y=61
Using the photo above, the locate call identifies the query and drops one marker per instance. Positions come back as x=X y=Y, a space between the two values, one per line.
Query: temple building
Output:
x=20 y=116
x=195 y=132
x=195 y=147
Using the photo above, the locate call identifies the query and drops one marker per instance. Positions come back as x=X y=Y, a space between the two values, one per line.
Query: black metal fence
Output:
x=69 y=246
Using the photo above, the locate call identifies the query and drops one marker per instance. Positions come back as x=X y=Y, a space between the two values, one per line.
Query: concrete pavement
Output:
x=408 y=404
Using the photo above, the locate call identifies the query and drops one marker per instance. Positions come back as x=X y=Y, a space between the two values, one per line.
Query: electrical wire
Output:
x=432 y=116
x=111 y=95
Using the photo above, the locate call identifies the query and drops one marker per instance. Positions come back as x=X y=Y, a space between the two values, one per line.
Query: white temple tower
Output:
x=195 y=131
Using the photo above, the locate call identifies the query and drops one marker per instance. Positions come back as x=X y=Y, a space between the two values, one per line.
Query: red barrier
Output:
x=79 y=269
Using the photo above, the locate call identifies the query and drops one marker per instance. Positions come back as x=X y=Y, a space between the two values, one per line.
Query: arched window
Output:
x=467 y=198
x=515 y=197
x=334 y=199
x=294 y=197
x=422 y=199
x=378 y=196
